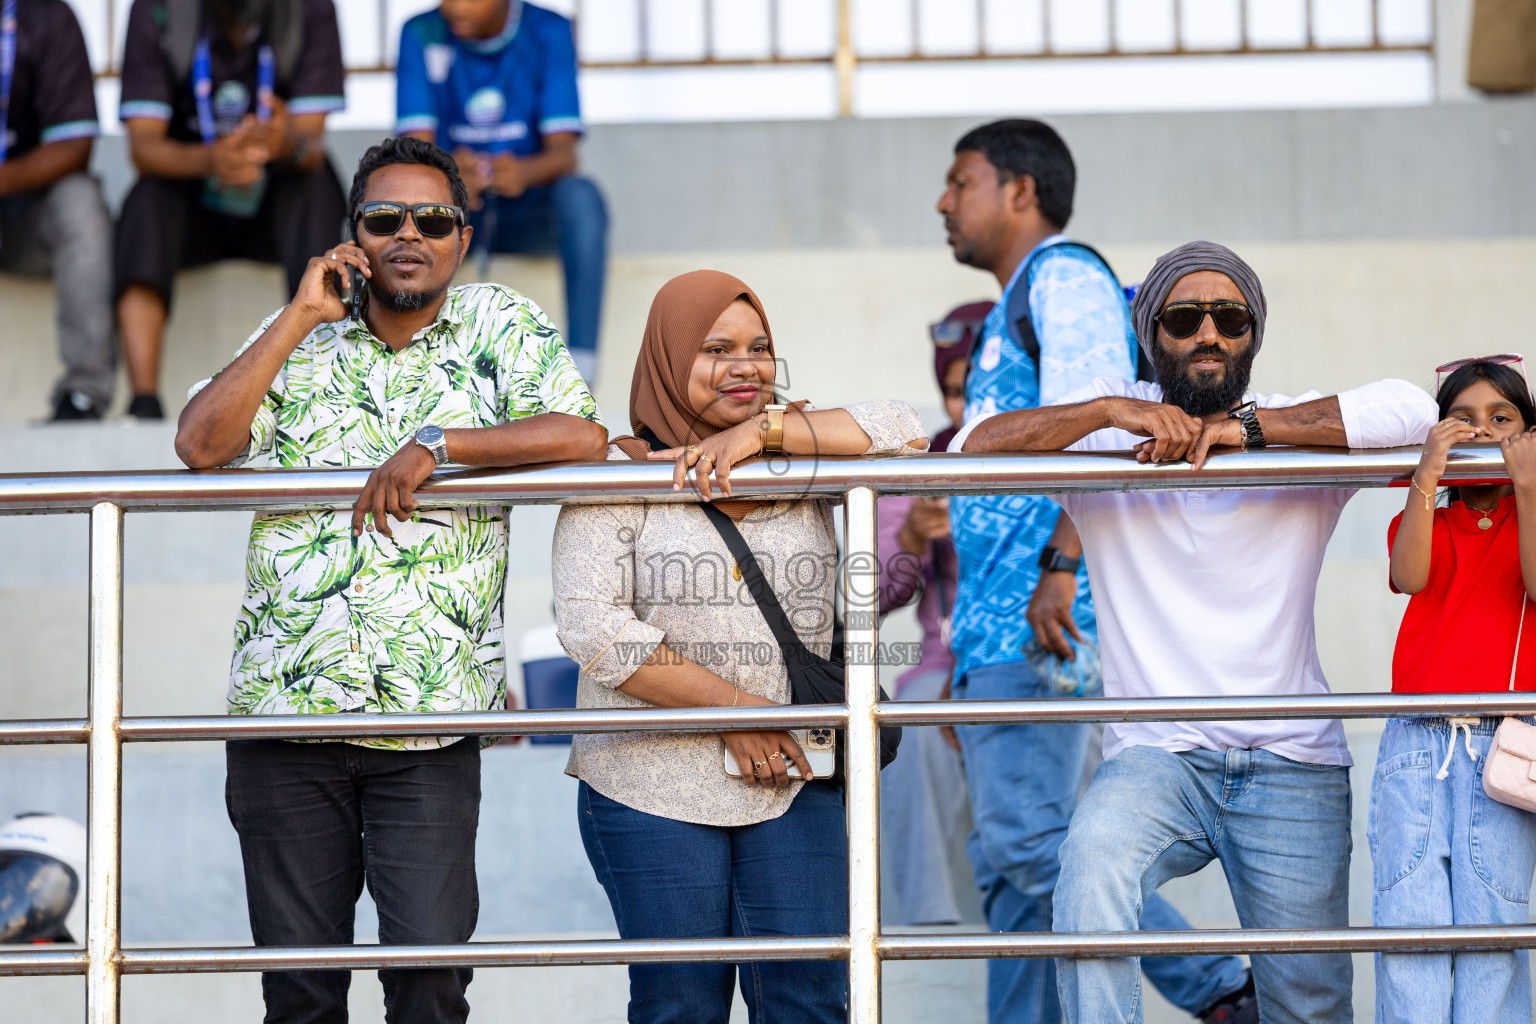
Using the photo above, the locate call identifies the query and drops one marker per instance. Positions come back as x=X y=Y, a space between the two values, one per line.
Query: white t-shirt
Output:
x=1210 y=593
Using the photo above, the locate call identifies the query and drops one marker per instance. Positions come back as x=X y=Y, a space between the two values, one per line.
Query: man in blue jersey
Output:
x=1023 y=623
x=494 y=83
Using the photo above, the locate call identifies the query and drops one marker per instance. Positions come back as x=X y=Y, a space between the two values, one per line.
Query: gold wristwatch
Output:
x=773 y=431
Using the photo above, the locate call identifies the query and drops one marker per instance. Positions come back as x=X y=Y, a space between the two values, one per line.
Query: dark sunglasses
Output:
x=949 y=333
x=1181 y=319
x=434 y=220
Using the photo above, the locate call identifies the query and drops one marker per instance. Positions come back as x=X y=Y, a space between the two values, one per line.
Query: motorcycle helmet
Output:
x=42 y=879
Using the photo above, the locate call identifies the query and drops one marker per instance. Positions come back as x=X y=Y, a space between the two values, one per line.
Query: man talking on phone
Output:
x=393 y=606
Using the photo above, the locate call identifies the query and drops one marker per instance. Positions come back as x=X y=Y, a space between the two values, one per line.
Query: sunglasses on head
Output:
x=434 y=220
x=1181 y=319
x=1503 y=359
x=949 y=333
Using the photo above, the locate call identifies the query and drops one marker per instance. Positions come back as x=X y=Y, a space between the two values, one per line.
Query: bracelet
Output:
x=773 y=430
x=737 y=698
x=1429 y=499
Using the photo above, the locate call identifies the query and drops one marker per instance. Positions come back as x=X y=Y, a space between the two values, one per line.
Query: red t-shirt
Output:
x=1458 y=634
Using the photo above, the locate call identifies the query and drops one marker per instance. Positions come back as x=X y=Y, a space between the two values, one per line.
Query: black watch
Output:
x=1247 y=416
x=1052 y=560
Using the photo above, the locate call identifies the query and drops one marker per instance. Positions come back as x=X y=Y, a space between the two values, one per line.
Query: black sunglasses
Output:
x=949 y=333
x=1181 y=319
x=434 y=220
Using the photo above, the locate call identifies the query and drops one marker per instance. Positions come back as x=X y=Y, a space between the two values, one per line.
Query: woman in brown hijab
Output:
x=697 y=835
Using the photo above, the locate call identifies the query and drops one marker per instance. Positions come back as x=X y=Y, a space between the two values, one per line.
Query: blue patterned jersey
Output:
x=499 y=95
x=1083 y=325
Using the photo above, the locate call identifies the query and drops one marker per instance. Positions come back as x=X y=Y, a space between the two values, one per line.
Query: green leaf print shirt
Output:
x=332 y=622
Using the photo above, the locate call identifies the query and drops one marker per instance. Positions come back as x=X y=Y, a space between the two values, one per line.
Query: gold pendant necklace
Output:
x=1484 y=523
x=736 y=568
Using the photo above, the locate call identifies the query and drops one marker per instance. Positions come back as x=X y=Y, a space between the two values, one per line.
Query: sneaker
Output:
x=1241 y=1007
x=74 y=405
x=146 y=407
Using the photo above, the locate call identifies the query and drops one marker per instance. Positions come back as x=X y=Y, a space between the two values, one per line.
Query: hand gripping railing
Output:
x=107 y=496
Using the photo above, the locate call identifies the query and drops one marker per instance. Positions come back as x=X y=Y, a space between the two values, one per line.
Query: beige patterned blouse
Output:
x=627 y=577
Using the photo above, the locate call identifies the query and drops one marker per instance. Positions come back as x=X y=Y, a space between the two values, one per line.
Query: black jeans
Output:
x=318 y=819
x=164 y=227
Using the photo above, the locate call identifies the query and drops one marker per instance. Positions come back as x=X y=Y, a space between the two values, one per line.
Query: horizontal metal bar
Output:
x=793 y=716
x=114 y=71
x=1205 y=709
x=479 y=723
x=627 y=481
x=30 y=960
x=994 y=56
x=45 y=730
x=970 y=946
x=479 y=954
x=977 y=946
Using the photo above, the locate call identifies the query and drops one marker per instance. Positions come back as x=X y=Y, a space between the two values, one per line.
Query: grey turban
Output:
x=1187 y=259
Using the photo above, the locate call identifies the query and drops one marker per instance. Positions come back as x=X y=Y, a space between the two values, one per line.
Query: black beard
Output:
x=1203 y=393
x=408 y=302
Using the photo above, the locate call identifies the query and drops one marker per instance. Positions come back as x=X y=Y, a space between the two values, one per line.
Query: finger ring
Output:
x=706 y=458
x=759 y=765
x=775 y=754
x=693 y=449
x=333 y=255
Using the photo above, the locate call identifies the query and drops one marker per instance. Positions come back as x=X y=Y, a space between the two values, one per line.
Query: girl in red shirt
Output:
x=1443 y=853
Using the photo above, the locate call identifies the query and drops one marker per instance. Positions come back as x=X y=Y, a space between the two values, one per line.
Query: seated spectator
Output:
x=922 y=794
x=346 y=612
x=52 y=217
x=1208 y=594
x=1443 y=851
x=494 y=82
x=226 y=126
x=684 y=849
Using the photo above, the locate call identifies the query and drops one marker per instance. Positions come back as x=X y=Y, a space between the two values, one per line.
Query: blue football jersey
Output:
x=1083 y=325
x=500 y=95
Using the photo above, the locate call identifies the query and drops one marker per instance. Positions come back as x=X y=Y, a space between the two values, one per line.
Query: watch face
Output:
x=429 y=436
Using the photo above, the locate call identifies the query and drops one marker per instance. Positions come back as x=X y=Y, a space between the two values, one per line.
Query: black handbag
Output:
x=812 y=679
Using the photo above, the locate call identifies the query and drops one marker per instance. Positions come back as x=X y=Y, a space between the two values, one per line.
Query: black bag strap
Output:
x=1022 y=317
x=790 y=644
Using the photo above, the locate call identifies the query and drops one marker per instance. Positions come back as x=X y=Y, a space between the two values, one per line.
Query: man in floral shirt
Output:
x=393 y=607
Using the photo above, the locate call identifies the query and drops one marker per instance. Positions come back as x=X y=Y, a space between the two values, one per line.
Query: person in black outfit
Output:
x=240 y=173
x=52 y=218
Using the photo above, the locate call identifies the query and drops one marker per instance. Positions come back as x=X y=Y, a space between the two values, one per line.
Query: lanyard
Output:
x=7 y=70
x=202 y=86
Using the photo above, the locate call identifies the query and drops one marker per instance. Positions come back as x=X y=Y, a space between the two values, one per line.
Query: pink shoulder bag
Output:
x=1509 y=773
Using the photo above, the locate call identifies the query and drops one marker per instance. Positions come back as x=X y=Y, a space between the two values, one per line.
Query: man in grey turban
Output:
x=1193 y=272
x=1208 y=594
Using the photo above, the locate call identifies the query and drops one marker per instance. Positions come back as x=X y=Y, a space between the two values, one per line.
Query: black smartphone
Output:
x=349 y=286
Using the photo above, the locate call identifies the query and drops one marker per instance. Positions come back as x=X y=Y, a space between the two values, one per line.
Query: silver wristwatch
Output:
x=433 y=439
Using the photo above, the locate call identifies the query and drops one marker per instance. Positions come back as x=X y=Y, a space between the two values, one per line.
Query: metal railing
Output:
x=987 y=32
x=108 y=497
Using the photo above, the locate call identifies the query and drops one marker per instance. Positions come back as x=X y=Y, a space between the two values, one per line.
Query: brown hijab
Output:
x=681 y=315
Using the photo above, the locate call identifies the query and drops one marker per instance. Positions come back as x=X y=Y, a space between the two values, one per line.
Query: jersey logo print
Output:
x=439 y=59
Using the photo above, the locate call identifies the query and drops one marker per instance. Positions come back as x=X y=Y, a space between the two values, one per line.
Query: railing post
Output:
x=861 y=606
x=844 y=60
x=105 y=815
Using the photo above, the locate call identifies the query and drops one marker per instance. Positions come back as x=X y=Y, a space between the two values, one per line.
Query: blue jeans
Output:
x=1281 y=831
x=567 y=216
x=1024 y=782
x=1444 y=853
x=671 y=879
